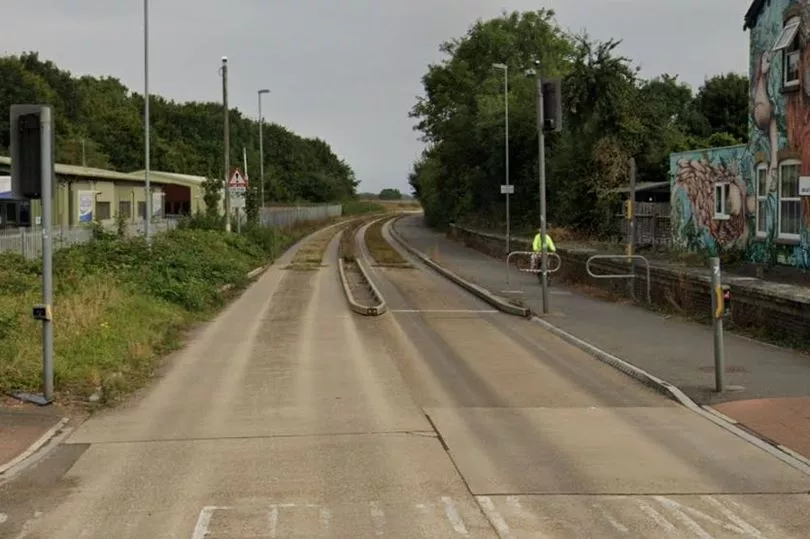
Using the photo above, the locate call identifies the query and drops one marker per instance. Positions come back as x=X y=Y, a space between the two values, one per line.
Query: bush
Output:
x=119 y=303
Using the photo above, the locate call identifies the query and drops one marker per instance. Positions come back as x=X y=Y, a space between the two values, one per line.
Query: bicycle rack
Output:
x=530 y=253
x=620 y=275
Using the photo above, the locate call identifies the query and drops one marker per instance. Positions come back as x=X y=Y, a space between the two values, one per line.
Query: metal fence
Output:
x=652 y=224
x=28 y=241
x=288 y=216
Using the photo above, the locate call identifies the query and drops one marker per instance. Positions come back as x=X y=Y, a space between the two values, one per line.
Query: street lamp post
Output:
x=147 y=186
x=506 y=127
x=261 y=148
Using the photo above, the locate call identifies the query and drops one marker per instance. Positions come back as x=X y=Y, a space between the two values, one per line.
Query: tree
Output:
x=390 y=194
x=610 y=115
x=103 y=117
x=723 y=101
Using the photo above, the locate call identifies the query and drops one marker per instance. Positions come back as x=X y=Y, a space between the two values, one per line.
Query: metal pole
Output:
x=631 y=240
x=261 y=150
x=506 y=106
x=47 y=250
x=718 y=308
x=227 y=137
x=147 y=186
x=542 y=173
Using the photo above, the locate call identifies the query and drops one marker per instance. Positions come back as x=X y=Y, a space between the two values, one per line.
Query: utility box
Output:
x=27 y=151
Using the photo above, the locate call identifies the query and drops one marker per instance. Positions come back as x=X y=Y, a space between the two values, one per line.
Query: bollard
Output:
x=718 y=313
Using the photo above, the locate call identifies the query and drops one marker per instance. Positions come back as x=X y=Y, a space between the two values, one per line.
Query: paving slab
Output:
x=20 y=428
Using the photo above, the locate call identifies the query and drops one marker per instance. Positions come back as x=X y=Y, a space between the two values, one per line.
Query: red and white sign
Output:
x=237 y=186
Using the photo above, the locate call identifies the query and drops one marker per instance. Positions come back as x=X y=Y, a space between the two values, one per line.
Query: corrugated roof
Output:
x=171 y=178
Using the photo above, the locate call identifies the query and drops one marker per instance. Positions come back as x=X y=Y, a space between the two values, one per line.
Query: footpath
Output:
x=769 y=386
x=24 y=428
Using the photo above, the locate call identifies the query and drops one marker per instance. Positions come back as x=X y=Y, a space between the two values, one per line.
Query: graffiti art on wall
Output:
x=696 y=177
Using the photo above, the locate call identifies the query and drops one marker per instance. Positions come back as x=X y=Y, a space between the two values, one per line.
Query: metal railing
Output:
x=288 y=216
x=621 y=275
x=532 y=253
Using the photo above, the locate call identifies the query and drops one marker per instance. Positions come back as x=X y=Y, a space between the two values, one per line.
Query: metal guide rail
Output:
x=529 y=270
x=620 y=275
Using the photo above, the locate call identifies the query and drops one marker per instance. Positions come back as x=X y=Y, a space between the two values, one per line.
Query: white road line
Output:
x=618 y=526
x=657 y=517
x=453 y=516
x=378 y=517
x=744 y=526
x=272 y=521
x=676 y=509
x=3 y=518
x=501 y=527
x=203 y=521
x=326 y=518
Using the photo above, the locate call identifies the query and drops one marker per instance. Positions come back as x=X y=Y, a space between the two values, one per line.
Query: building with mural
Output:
x=755 y=197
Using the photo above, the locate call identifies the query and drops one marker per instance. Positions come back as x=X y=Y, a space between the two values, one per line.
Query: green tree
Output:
x=390 y=194
x=723 y=101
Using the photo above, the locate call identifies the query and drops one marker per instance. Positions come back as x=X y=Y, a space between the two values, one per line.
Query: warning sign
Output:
x=237 y=186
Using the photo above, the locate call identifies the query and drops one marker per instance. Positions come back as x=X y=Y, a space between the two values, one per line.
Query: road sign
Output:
x=508 y=189
x=237 y=185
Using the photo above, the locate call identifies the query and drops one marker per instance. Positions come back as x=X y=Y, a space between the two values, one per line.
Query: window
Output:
x=762 y=199
x=790 y=205
x=721 y=193
x=142 y=210
x=125 y=209
x=102 y=210
x=789 y=45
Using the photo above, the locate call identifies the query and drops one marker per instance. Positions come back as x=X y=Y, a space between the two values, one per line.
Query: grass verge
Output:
x=310 y=255
x=382 y=251
x=119 y=305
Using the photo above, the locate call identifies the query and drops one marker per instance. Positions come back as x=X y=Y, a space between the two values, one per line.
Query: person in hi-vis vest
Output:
x=539 y=244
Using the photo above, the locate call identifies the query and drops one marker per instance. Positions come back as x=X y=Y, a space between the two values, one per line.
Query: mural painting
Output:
x=762 y=213
x=696 y=178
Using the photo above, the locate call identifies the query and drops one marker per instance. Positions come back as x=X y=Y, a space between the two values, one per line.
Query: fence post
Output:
x=718 y=311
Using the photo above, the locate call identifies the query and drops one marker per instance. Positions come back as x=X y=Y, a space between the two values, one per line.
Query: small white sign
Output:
x=804 y=186
x=508 y=189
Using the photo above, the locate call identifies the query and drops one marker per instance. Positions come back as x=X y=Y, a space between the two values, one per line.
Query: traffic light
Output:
x=552 y=105
x=27 y=150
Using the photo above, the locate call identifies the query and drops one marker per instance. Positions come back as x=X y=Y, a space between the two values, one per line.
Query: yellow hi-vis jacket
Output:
x=549 y=245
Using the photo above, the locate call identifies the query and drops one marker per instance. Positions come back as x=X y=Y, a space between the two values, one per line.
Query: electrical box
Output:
x=42 y=312
x=27 y=151
x=552 y=105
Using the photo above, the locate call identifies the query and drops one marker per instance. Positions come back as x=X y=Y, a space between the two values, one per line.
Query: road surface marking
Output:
x=204 y=520
x=657 y=517
x=378 y=517
x=500 y=525
x=272 y=521
x=618 y=526
x=453 y=516
x=326 y=518
x=744 y=527
x=3 y=518
x=680 y=511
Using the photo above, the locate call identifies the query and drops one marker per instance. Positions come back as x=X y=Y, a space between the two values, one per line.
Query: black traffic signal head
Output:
x=27 y=150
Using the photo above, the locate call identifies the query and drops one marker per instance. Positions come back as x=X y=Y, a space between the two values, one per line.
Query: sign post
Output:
x=718 y=311
x=237 y=188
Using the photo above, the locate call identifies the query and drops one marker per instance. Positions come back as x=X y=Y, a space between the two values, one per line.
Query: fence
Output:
x=28 y=241
x=652 y=224
x=288 y=216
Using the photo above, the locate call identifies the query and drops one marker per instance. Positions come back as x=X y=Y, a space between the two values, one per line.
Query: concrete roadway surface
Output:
x=290 y=417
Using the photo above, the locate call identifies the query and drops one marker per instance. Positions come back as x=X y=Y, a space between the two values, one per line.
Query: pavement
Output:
x=289 y=416
x=770 y=393
x=23 y=429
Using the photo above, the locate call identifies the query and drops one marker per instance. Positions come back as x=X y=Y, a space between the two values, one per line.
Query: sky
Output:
x=346 y=71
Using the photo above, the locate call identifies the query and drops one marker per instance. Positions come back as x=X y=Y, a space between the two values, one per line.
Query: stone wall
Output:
x=780 y=311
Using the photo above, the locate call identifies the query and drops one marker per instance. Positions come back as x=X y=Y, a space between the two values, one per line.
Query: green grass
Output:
x=382 y=251
x=119 y=306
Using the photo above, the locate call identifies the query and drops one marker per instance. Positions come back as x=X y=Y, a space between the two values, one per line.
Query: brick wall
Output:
x=779 y=311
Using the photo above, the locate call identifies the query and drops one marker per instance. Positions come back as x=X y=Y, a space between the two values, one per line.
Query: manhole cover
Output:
x=733 y=369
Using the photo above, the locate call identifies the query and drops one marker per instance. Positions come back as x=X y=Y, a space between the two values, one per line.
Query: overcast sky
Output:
x=347 y=71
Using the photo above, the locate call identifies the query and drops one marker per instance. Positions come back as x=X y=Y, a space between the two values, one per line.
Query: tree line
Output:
x=99 y=123
x=610 y=115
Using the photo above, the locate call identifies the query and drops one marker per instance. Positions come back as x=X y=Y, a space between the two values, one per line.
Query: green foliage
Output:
x=610 y=115
x=390 y=194
x=100 y=121
x=119 y=303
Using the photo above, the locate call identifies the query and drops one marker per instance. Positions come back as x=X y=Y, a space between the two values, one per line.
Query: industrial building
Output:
x=84 y=195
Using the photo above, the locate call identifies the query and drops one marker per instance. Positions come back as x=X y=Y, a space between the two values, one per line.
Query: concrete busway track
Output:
x=356 y=277
x=285 y=417
x=554 y=443
x=289 y=416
